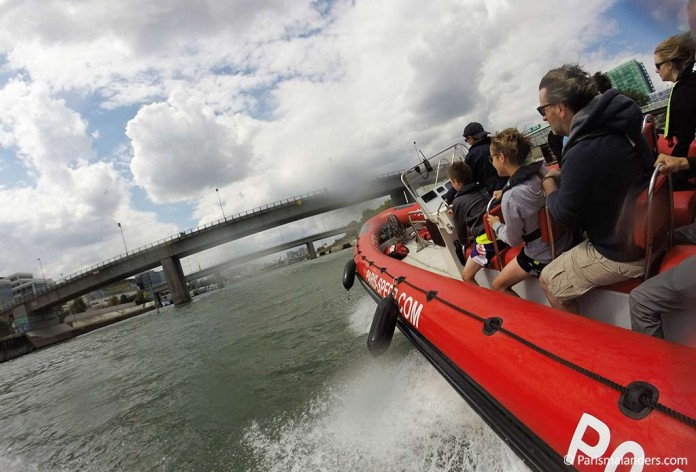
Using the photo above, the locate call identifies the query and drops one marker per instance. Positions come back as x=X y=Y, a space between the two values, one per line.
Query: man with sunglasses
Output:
x=605 y=162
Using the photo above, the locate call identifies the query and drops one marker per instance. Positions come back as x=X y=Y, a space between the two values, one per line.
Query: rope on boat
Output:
x=645 y=400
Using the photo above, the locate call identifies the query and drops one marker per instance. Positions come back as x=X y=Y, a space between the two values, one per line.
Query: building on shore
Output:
x=297 y=255
x=21 y=284
x=660 y=95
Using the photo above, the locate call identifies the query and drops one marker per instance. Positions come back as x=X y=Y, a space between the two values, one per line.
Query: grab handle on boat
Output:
x=492 y=325
x=638 y=400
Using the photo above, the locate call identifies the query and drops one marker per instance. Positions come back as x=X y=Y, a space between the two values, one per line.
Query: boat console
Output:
x=428 y=183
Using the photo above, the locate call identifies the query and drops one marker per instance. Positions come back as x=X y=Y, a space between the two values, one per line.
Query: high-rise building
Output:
x=631 y=75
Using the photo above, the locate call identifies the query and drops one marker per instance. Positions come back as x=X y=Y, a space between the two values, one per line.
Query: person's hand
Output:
x=554 y=174
x=550 y=181
x=498 y=194
x=492 y=220
x=671 y=164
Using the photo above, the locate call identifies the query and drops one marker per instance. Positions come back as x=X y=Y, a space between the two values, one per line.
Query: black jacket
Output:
x=481 y=167
x=605 y=164
x=682 y=112
x=469 y=205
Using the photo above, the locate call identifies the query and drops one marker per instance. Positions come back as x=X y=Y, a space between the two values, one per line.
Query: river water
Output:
x=270 y=373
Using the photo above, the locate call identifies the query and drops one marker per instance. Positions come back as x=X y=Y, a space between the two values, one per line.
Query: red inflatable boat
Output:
x=566 y=392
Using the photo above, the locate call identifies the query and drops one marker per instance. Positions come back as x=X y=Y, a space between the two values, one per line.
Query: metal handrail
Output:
x=495 y=236
x=649 y=239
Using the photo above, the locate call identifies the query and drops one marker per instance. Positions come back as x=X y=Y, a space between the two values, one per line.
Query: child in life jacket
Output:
x=522 y=198
x=469 y=206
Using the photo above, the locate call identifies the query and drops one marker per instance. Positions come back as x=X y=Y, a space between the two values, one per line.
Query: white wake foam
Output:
x=393 y=415
x=360 y=318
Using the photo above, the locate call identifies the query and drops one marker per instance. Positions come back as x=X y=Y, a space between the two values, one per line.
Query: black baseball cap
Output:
x=475 y=130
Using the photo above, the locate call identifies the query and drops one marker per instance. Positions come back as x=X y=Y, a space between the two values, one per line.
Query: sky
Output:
x=135 y=112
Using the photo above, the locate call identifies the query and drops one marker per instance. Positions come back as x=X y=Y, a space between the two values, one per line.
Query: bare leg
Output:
x=511 y=274
x=570 y=306
x=470 y=269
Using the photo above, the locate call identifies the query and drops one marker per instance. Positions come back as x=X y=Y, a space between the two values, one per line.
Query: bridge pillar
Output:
x=312 y=251
x=176 y=280
x=219 y=281
x=21 y=310
x=398 y=197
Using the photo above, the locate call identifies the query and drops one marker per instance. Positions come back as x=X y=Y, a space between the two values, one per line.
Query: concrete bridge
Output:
x=169 y=251
x=305 y=241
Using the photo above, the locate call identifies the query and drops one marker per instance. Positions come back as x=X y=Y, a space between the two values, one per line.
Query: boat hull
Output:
x=550 y=383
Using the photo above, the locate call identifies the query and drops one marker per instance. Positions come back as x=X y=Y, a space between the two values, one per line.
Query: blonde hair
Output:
x=512 y=144
x=679 y=50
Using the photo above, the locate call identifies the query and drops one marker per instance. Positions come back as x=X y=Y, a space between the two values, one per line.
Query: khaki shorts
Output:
x=581 y=268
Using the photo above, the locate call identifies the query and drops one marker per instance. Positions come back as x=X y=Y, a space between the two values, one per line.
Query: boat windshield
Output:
x=427 y=182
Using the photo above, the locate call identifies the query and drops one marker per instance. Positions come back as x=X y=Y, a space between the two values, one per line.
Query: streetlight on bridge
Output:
x=43 y=274
x=42 y=271
x=123 y=237
x=220 y=202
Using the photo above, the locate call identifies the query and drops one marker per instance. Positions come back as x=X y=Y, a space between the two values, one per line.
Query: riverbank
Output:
x=17 y=345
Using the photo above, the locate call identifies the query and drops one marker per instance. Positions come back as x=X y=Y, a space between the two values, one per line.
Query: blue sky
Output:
x=115 y=112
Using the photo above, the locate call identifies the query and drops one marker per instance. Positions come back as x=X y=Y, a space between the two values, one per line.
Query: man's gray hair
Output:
x=569 y=84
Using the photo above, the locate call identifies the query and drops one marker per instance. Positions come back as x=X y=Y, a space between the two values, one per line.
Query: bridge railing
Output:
x=94 y=269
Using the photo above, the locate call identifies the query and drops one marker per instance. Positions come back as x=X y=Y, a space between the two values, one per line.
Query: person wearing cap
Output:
x=478 y=158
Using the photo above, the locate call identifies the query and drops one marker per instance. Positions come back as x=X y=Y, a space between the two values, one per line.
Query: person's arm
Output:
x=449 y=196
x=511 y=231
x=672 y=164
x=460 y=221
x=683 y=118
x=566 y=202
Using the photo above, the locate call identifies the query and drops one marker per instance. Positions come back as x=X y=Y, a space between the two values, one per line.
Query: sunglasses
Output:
x=659 y=64
x=542 y=109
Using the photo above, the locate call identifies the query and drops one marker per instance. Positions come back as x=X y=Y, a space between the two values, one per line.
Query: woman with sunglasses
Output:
x=674 y=62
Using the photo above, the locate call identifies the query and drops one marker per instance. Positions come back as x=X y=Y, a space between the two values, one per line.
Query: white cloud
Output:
x=47 y=135
x=181 y=148
x=124 y=51
x=262 y=100
x=68 y=216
